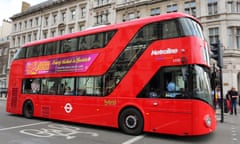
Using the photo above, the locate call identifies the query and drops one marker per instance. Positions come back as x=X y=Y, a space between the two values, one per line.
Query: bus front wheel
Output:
x=28 y=109
x=131 y=121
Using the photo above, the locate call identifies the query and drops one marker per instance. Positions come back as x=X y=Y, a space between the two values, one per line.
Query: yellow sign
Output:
x=110 y=102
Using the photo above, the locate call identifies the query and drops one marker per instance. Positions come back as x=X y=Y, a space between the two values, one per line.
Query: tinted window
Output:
x=98 y=40
x=168 y=82
x=51 y=48
x=169 y=29
x=89 y=86
x=93 y=41
x=31 y=86
x=21 y=53
x=190 y=28
x=34 y=51
x=69 y=45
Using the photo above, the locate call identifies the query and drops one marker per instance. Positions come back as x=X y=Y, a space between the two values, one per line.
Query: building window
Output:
x=102 y=2
x=54 y=18
x=172 y=8
x=20 y=26
x=81 y=27
x=238 y=38
x=19 y=41
x=155 y=11
x=83 y=12
x=230 y=38
x=35 y=36
x=23 y=39
x=53 y=33
x=71 y=29
x=234 y=37
x=46 y=21
x=238 y=7
x=62 y=31
x=213 y=35
x=25 y=24
x=15 y=27
x=14 y=41
x=29 y=37
x=102 y=18
x=63 y=16
x=131 y=16
x=230 y=7
x=5 y=51
x=190 y=8
x=4 y=70
x=45 y=34
x=36 y=21
x=31 y=22
x=73 y=14
x=212 y=7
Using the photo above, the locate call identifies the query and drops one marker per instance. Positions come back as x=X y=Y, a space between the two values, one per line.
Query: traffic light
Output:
x=216 y=53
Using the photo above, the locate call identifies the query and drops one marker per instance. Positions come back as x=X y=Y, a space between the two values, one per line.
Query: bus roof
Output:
x=97 y=29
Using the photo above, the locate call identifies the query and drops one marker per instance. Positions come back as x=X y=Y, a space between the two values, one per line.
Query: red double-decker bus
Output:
x=146 y=75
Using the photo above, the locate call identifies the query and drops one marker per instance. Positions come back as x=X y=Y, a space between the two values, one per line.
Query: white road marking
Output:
x=21 y=126
x=131 y=141
x=68 y=132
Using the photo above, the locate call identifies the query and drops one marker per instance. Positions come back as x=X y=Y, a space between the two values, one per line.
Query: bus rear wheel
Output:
x=28 y=109
x=131 y=121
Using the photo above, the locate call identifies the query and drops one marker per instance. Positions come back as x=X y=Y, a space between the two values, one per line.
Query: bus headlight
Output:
x=208 y=120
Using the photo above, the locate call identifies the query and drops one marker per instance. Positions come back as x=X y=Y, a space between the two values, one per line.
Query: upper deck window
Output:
x=178 y=28
x=190 y=28
x=21 y=53
x=34 y=51
x=98 y=40
x=51 y=48
x=69 y=45
x=170 y=29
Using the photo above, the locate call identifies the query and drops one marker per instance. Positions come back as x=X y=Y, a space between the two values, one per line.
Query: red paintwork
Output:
x=179 y=117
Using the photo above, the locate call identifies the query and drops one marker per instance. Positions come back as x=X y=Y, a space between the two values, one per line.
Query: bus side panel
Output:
x=14 y=88
x=80 y=109
x=202 y=111
x=168 y=116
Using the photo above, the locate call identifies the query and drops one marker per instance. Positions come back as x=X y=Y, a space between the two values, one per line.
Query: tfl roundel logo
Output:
x=68 y=108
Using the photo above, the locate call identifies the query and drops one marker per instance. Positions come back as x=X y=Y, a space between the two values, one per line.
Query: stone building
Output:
x=220 y=19
x=5 y=30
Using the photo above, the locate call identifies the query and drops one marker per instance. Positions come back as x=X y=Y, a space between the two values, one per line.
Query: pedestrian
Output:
x=217 y=97
x=233 y=95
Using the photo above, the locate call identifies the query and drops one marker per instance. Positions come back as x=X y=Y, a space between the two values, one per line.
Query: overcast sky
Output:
x=10 y=7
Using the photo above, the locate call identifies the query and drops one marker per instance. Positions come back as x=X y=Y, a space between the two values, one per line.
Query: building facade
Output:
x=5 y=30
x=220 y=19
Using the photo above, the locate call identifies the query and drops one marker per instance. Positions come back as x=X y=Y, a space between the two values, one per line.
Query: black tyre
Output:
x=28 y=109
x=131 y=121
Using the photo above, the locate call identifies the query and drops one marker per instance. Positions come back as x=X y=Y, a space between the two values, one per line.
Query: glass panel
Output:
x=190 y=28
x=21 y=53
x=81 y=86
x=201 y=84
x=34 y=51
x=66 y=86
x=169 y=29
x=98 y=40
x=51 y=48
x=168 y=82
x=31 y=86
x=69 y=45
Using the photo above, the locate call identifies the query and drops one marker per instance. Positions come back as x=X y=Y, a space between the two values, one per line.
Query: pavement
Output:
x=228 y=126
